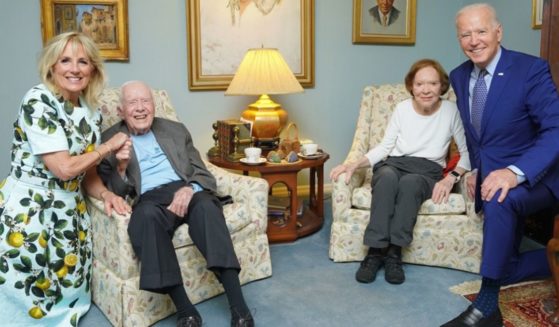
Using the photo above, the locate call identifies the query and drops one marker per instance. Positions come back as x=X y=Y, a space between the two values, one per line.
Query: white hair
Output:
x=477 y=6
x=125 y=84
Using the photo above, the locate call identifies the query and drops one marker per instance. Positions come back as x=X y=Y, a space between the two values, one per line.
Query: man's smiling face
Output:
x=137 y=108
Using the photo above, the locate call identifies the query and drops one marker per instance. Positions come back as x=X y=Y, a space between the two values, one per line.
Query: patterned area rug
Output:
x=522 y=305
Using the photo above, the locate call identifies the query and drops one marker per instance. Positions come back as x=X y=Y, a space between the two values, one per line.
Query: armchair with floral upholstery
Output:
x=445 y=235
x=116 y=269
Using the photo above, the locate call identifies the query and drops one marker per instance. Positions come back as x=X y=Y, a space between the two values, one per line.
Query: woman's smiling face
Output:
x=72 y=72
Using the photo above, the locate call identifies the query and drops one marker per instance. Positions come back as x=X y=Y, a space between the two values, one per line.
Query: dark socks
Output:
x=487 y=301
x=229 y=278
x=394 y=251
x=185 y=308
x=375 y=251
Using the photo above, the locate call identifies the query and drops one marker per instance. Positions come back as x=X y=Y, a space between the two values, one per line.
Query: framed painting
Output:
x=537 y=14
x=105 y=21
x=221 y=31
x=384 y=21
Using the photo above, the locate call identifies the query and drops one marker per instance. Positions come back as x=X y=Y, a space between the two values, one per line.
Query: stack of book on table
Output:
x=279 y=210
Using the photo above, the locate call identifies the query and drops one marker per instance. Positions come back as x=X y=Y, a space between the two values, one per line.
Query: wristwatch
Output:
x=456 y=176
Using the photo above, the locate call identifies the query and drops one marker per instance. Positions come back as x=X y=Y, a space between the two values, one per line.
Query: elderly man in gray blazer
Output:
x=163 y=174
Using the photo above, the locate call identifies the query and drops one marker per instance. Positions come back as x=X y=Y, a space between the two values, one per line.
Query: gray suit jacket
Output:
x=176 y=143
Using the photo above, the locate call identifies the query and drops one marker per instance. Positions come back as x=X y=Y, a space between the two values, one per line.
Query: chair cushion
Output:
x=238 y=217
x=361 y=199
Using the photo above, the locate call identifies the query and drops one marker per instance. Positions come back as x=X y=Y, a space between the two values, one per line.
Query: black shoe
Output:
x=242 y=321
x=393 y=271
x=472 y=317
x=190 y=321
x=368 y=269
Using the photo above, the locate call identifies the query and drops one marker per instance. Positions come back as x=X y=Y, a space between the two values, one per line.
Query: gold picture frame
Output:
x=106 y=21
x=537 y=14
x=371 y=27
x=219 y=32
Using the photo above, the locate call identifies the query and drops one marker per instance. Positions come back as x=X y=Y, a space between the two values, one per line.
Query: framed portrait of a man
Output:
x=384 y=21
x=221 y=31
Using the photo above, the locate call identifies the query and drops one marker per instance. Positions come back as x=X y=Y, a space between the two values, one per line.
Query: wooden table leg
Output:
x=320 y=191
x=288 y=232
x=313 y=217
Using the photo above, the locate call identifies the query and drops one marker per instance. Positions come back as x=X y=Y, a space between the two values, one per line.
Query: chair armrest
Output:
x=342 y=192
x=461 y=188
x=111 y=244
x=252 y=191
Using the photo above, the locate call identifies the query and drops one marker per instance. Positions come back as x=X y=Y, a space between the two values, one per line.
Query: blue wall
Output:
x=326 y=113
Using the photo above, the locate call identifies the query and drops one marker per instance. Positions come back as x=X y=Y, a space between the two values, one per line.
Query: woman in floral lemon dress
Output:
x=45 y=243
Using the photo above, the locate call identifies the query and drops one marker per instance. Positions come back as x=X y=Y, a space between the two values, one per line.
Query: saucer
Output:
x=311 y=156
x=259 y=162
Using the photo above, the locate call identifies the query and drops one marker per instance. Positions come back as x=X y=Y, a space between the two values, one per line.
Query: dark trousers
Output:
x=399 y=186
x=151 y=231
x=503 y=229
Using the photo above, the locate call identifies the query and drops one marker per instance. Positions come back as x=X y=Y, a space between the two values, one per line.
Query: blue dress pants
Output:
x=503 y=230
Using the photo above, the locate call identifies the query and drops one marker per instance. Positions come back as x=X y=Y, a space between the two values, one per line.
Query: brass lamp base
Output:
x=267 y=117
x=267 y=144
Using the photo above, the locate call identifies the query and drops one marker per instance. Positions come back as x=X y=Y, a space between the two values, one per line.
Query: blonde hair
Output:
x=54 y=49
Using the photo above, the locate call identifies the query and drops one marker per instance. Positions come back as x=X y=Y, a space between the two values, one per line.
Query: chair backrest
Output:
x=110 y=100
x=377 y=104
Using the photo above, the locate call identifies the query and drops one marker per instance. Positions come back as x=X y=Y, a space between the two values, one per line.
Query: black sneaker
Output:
x=368 y=269
x=393 y=272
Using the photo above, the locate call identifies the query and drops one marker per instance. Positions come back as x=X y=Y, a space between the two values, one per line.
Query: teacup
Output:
x=309 y=149
x=252 y=154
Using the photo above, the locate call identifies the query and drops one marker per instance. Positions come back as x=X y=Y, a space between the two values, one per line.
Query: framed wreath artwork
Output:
x=221 y=31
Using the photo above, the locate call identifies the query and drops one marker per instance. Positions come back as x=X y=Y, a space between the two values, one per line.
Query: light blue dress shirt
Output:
x=154 y=165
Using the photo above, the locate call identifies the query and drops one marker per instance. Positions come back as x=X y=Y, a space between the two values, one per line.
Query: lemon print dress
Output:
x=45 y=243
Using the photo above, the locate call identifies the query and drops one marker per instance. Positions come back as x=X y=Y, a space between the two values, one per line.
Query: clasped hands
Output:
x=120 y=144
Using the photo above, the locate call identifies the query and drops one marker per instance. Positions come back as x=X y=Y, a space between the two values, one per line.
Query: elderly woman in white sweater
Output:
x=408 y=168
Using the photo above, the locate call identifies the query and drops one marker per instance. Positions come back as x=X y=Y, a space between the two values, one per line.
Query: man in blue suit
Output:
x=510 y=111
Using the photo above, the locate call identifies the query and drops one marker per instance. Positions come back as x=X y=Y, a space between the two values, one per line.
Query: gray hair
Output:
x=477 y=6
x=125 y=84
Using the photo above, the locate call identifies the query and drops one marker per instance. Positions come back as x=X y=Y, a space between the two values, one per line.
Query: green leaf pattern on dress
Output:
x=44 y=224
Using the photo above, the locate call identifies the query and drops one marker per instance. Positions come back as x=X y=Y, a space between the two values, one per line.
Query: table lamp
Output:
x=262 y=72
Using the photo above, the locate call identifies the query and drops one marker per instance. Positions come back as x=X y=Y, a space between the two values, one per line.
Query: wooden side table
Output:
x=313 y=216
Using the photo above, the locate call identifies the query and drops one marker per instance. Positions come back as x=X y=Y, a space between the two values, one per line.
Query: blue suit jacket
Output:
x=520 y=123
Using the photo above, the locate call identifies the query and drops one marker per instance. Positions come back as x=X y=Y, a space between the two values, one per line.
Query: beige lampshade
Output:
x=263 y=71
